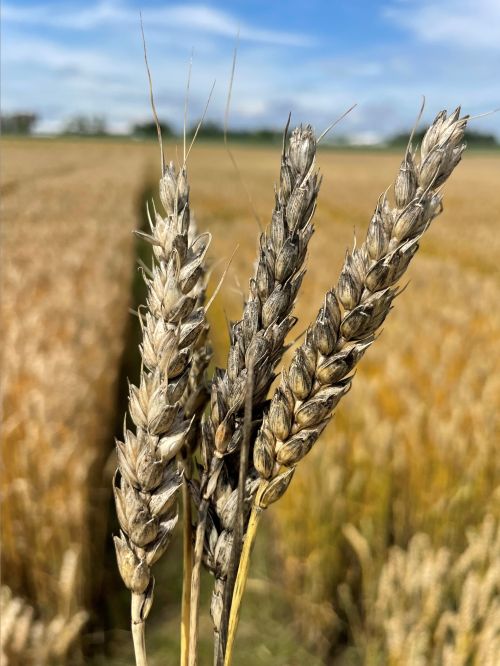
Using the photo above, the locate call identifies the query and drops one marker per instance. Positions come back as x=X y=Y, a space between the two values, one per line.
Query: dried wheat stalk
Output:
x=320 y=372
x=147 y=481
x=29 y=640
x=193 y=401
x=430 y=606
x=257 y=340
x=63 y=312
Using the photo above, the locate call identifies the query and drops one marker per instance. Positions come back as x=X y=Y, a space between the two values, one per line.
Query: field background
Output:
x=362 y=562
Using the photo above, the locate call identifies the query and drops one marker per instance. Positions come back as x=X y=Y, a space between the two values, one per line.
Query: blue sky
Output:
x=314 y=58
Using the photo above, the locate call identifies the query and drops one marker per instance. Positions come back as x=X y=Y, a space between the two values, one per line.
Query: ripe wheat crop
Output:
x=251 y=441
x=404 y=480
x=66 y=272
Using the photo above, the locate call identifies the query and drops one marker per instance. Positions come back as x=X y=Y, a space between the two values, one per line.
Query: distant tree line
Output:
x=208 y=131
x=18 y=123
x=88 y=126
x=149 y=131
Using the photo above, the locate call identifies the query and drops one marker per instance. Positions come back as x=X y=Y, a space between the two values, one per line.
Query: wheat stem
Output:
x=138 y=629
x=258 y=338
x=321 y=369
x=239 y=519
x=187 y=552
x=241 y=580
x=195 y=584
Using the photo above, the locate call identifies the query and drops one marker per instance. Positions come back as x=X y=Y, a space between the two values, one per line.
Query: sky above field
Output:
x=314 y=58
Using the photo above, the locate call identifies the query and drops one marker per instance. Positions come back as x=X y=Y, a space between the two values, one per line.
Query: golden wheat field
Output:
x=386 y=549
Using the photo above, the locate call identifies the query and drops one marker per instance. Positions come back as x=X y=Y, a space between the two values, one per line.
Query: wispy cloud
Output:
x=187 y=17
x=470 y=24
x=59 y=57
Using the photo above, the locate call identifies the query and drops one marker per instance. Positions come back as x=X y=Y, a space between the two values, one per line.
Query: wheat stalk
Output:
x=257 y=340
x=63 y=313
x=193 y=403
x=431 y=606
x=147 y=481
x=30 y=640
x=320 y=371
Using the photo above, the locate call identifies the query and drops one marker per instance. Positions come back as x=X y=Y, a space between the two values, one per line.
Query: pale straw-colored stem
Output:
x=138 y=630
x=195 y=584
x=187 y=550
x=241 y=580
x=239 y=521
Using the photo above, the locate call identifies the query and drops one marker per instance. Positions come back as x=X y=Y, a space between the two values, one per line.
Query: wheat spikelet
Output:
x=147 y=481
x=258 y=339
x=193 y=402
x=346 y=325
x=320 y=371
x=195 y=396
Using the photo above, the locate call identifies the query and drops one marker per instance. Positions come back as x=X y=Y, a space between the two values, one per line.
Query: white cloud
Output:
x=59 y=16
x=97 y=67
x=36 y=50
x=367 y=138
x=471 y=24
x=187 y=17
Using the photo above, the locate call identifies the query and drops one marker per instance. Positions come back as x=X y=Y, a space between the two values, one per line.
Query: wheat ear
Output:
x=320 y=371
x=147 y=480
x=193 y=402
x=257 y=339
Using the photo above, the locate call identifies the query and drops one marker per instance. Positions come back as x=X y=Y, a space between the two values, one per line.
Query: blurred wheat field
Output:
x=66 y=275
x=387 y=547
